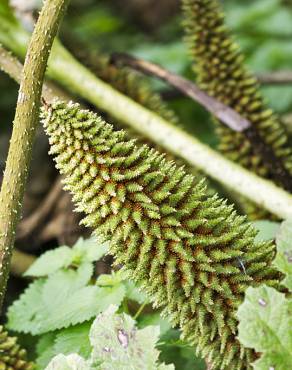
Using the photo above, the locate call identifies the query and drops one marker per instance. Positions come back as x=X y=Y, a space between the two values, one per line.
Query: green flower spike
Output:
x=220 y=71
x=192 y=254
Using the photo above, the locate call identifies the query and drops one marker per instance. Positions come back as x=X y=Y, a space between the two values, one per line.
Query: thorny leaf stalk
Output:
x=25 y=123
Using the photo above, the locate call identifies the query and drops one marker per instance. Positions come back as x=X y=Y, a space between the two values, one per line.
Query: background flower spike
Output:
x=220 y=71
x=12 y=356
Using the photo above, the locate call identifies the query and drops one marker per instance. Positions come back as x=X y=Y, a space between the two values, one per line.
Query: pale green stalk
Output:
x=65 y=69
x=71 y=74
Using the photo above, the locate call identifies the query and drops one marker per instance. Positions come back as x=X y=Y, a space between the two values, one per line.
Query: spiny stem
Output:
x=13 y=67
x=25 y=123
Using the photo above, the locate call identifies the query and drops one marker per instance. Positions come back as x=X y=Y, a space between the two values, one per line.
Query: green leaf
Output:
x=283 y=260
x=110 y=280
x=156 y=320
x=267 y=229
x=115 y=343
x=181 y=354
x=89 y=250
x=45 y=350
x=115 y=340
x=50 y=262
x=74 y=339
x=70 y=362
x=134 y=293
x=118 y=278
x=112 y=288
x=265 y=324
x=5 y=10
x=165 y=367
x=21 y=312
x=60 y=301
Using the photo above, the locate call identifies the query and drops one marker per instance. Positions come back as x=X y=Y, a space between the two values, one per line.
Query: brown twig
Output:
x=225 y=114
x=222 y=112
x=31 y=223
x=265 y=78
x=275 y=78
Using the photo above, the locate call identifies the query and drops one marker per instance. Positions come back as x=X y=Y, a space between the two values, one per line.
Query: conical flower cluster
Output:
x=193 y=255
x=12 y=356
x=219 y=66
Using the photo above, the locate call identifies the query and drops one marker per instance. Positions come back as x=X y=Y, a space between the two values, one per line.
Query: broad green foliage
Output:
x=65 y=298
x=64 y=257
x=155 y=319
x=60 y=304
x=283 y=259
x=116 y=345
x=74 y=339
x=178 y=352
x=66 y=341
x=118 y=280
x=192 y=254
x=115 y=340
x=173 y=349
x=266 y=325
x=266 y=315
x=70 y=362
x=221 y=72
x=45 y=350
x=67 y=295
x=263 y=28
